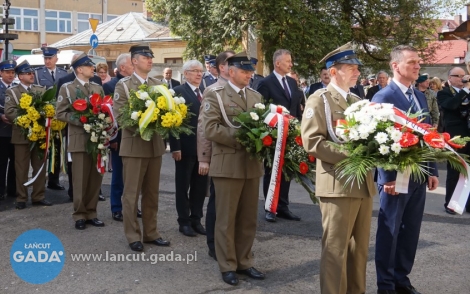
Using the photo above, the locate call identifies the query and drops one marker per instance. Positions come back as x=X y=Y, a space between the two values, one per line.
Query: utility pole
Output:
x=7 y=21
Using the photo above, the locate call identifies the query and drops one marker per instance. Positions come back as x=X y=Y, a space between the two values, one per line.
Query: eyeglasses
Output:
x=195 y=70
x=457 y=76
x=102 y=72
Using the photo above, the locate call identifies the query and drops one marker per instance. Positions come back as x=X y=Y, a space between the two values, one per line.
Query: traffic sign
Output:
x=93 y=23
x=94 y=41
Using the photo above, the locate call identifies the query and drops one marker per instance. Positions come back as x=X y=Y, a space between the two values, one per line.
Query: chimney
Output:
x=147 y=13
x=458 y=19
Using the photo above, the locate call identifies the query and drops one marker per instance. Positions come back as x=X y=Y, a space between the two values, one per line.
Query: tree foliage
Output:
x=308 y=28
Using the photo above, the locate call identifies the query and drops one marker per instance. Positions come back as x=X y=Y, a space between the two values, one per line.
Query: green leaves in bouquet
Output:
x=50 y=94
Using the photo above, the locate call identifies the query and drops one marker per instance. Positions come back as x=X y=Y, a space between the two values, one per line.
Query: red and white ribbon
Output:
x=112 y=131
x=48 y=136
x=273 y=119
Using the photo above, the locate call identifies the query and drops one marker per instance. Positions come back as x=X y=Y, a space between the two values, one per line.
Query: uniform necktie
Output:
x=52 y=74
x=413 y=106
x=198 y=94
x=28 y=89
x=242 y=94
x=87 y=87
x=286 y=89
x=145 y=83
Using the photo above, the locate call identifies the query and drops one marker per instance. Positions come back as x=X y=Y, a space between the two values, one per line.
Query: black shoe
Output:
x=20 y=205
x=386 y=292
x=288 y=215
x=230 y=278
x=159 y=242
x=117 y=216
x=43 y=202
x=450 y=211
x=136 y=246
x=252 y=273
x=110 y=170
x=80 y=224
x=101 y=198
x=95 y=222
x=139 y=213
x=55 y=186
x=212 y=254
x=188 y=231
x=270 y=217
x=406 y=290
x=198 y=228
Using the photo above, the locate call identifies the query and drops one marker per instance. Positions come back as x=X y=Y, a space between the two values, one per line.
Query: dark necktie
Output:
x=28 y=89
x=169 y=84
x=413 y=106
x=52 y=74
x=145 y=83
x=87 y=87
x=286 y=89
x=198 y=94
x=242 y=94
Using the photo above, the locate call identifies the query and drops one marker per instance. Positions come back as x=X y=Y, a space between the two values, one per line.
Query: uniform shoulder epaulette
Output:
x=154 y=79
x=93 y=83
x=13 y=86
x=321 y=91
x=38 y=86
x=124 y=79
x=253 y=90
x=61 y=69
x=66 y=84
x=215 y=88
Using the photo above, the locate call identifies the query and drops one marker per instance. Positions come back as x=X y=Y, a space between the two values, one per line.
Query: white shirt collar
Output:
x=236 y=88
x=402 y=87
x=193 y=87
x=279 y=77
x=142 y=80
x=24 y=86
x=6 y=85
x=54 y=69
x=343 y=93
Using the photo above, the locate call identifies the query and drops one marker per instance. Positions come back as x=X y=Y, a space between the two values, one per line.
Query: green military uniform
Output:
x=86 y=178
x=236 y=178
x=431 y=98
x=346 y=213
x=142 y=161
x=23 y=155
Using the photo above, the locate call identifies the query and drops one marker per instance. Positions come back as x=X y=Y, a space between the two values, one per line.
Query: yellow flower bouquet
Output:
x=154 y=109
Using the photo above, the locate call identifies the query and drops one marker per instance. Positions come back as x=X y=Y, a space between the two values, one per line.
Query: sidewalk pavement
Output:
x=288 y=252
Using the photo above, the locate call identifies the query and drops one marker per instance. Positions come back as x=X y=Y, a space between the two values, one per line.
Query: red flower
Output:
x=303 y=168
x=408 y=139
x=311 y=158
x=298 y=140
x=446 y=137
x=108 y=99
x=80 y=104
x=95 y=99
x=83 y=119
x=341 y=122
x=434 y=140
x=267 y=141
x=96 y=110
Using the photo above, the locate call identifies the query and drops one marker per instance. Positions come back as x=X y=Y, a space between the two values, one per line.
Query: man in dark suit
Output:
x=254 y=81
x=382 y=80
x=47 y=76
x=167 y=78
x=454 y=103
x=324 y=81
x=358 y=89
x=7 y=156
x=184 y=152
x=281 y=89
x=67 y=79
x=400 y=215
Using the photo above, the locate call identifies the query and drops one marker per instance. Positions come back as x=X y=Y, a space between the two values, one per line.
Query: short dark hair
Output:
x=221 y=58
x=323 y=68
x=396 y=55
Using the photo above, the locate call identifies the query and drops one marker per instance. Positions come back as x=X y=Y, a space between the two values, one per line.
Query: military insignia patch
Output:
x=207 y=106
x=60 y=98
x=116 y=96
x=309 y=113
x=7 y=99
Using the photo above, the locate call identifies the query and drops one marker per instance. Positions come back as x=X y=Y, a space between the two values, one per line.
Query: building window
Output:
x=83 y=22
x=58 y=21
x=25 y=19
x=173 y=60
x=111 y=17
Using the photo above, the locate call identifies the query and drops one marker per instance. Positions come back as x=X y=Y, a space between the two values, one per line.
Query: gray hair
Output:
x=397 y=53
x=122 y=59
x=381 y=72
x=191 y=63
x=278 y=53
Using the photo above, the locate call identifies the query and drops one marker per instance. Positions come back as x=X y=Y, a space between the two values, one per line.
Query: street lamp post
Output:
x=7 y=21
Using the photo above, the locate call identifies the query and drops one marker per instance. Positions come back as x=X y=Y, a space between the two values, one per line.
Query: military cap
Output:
x=142 y=49
x=49 y=51
x=8 y=64
x=82 y=60
x=371 y=77
x=422 y=78
x=241 y=60
x=211 y=62
x=209 y=57
x=341 y=55
x=254 y=60
x=23 y=67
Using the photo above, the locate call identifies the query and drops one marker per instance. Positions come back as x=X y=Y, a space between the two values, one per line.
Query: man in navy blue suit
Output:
x=324 y=81
x=280 y=89
x=184 y=151
x=400 y=215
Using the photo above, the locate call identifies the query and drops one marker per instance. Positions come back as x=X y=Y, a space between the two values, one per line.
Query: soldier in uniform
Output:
x=23 y=155
x=48 y=76
x=210 y=76
x=86 y=178
x=142 y=160
x=422 y=84
x=256 y=77
x=235 y=173
x=7 y=156
x=346 y=213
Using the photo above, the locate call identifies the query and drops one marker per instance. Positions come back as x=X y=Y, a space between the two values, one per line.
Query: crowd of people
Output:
x=212 y=162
